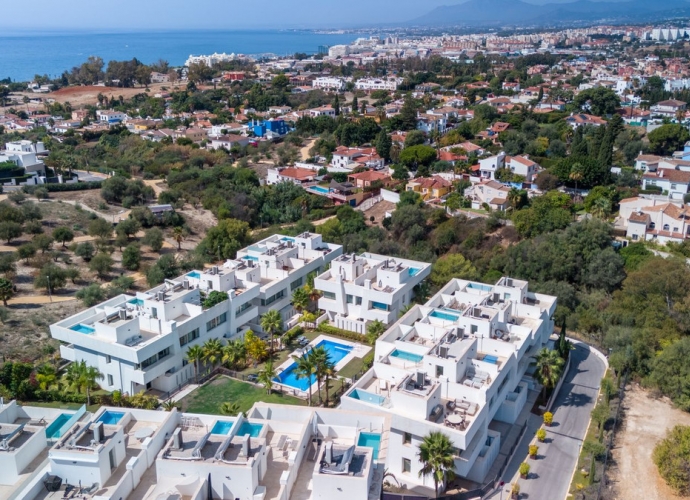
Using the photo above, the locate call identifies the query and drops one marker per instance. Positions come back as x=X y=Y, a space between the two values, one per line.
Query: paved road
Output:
x=550 y=475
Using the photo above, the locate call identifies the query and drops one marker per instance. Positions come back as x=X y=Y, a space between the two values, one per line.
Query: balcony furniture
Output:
x=455 y=419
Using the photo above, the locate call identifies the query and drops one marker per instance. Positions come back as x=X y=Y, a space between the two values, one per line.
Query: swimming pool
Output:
x=136 y=302
x=222 y=427
x=407 y=356
x=490 y=359
x=413 y=271
x=444 y=316
x=111 y=417
x=367 y=397
x=83 y=329
x=253 y=430
x=370 y=440
x=336 y=353
x=320 y=190
x=194 y=274
x=53 y=430
x=250 y=257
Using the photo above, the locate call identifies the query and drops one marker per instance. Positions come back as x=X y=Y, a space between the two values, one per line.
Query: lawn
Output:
x=207 y=399
x=352 y=368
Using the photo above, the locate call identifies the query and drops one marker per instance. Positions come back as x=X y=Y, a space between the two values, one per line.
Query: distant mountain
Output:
x=516 y=12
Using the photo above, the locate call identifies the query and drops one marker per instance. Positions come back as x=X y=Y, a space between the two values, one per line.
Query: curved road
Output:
x=550 y=475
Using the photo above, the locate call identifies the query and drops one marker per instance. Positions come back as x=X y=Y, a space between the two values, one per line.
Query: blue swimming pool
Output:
x=249 y=428
x=111 y=417
x=407 y=356
x=222 y=427
x=194 y=274
x=136 y=302
x=444 y=315
x=250 y=257
x=367 y=397
x=320 y=190
x=83 y=328
x=53 y=430
x=371 y=440
x=490 y=359
x=336 y=353
x=413 y=271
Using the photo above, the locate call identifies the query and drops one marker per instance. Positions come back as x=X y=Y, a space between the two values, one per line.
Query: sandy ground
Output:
x=304 y=151
x=645 y=423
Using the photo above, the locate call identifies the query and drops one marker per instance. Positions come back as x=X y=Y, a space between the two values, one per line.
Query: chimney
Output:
x=245 y=445
x=328 y=454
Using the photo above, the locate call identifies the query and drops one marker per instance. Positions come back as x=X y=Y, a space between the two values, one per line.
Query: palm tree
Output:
x=576 y=173
x=320 y=359
x=304 y=369
x=271 y=323
x=234 y=354
x=195 y=354
x=514 y=197
x=300 y=299
x=169 y=405
x=230 y=409
x=266 y=376
x=549 y=367
x=179 y=234
x=46 y=376
x=213 y=351
x=601 y=208
x=80 y=377
x=436 y=453
x=314 y=294
x=374 y=330
x=328 y=373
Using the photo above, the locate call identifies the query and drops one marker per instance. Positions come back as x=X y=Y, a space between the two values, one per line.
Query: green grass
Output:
x=207 y=399
x=352 y=368
x=60 y=405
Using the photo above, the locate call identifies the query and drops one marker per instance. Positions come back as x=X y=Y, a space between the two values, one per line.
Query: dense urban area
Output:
x=447 y=266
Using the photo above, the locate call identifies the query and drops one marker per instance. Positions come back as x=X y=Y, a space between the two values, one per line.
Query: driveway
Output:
x=551 y=473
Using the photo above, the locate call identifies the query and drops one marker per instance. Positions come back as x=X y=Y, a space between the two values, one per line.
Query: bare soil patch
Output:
x=646 y=421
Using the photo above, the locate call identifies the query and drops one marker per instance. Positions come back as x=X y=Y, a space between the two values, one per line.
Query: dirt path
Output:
x=304 y=151
x=39 y=299
x=645 y=423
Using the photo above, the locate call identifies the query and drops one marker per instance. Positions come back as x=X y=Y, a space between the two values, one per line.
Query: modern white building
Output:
x=110 y=117
x=378 y=83
x=360 y=289
x=518 y=165
x=275 y=452
x=25 y=154
x=454 y=365
x=139 y=341
x=328 y=83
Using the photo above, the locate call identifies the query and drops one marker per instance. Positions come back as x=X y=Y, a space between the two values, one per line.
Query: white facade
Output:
x=454 y=365
x=360 y=289
x=328 y=83
x=24 y=154
x=139 y=342
x=110 y=116
x=378 y=83
x=210 y=60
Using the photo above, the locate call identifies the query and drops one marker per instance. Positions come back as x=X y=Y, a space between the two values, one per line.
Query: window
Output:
x=473 y=328
x=154 y=313
x=407 y=438
x=358 y=301
x=186 y=339
x=240 y=310
x=673 y=186
x=329 y=295
x=110 y=380
x=210 y=325
x=439 y=371
x=675 y=229
x=349 y=299
x=406 y=465
x=296 y=284
x=273 y=298
x=666 y=226
x=108 y=359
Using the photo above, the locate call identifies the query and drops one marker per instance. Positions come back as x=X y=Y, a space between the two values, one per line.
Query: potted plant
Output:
x=515 y=491
x=541 y=435
x=533 y=450
x=524 y=470
x=548 y=418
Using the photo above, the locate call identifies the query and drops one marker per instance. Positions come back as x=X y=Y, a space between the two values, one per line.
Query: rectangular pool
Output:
x=336 y=352
x=53 y=430
x=222 y=427
x=320 y=190
x=490 y=359
x=250 y=257
x=111 y=417
x=413 y=271
x=136 y=302
x=367 y=397
x=444 y=315
x=194 y=274
x=370 y=440
x=407 y=356
x=83 y=329
x=248 y=428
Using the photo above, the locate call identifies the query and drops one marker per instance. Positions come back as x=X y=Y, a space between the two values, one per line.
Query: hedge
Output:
x=292 y=334
x=345 y=334
x=78 y=186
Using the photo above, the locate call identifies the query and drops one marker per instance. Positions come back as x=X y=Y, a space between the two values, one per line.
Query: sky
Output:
x=124 y=15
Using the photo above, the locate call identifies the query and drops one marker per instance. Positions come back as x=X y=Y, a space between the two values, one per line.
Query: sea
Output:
x=24 y=55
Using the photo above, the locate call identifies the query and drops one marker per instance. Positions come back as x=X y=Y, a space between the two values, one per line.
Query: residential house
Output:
x=647 y=163
x=350 y=158
x=369 y=84
x=669 y=108
x=675 y=183
x=110 y=117
x=488 y=192
x=157 y=77
x=650 y=219
x=295 y=175
x=367 y=178
x=360 y=289
x=228 y=142
x=329 y=83
x=25 y=154
x=582 y=119
x=326 y=110
x=430 y=188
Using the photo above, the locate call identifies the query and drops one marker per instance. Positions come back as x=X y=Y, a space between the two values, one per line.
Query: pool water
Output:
x=407 y=356
x=194 y=274
x=336 y=353
x=250 y=257
x=370 y=440
x=222 y=427
x=444 y=316
x=111 y=417
x=136 y=302
x=367 y=397
x=53 y=430
x=490 y=359
x=413 y=271
x=83 y=329
x=249 y=428
x=319 y=189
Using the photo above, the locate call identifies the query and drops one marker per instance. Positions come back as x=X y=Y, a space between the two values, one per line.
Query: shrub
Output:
x=541 y=435
x=215 y=298
x=85 y=250
x=548 y=418
x=515 y=490
x=292 y=334
x=594 y=448
x=672 y=457
x=78 y=186
x=524 y=469
x=337 y=332
x=533 y=450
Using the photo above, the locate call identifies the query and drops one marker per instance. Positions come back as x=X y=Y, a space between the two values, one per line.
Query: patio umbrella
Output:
x=209 y=493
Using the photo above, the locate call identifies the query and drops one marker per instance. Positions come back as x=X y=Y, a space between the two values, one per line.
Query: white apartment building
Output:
x=360 y=289
x=211 y=60
x=328 y=83
x=519 y=165
x=139 y=341
x=453 y=365
x=275 y=452
x=110 y=117
x=338 y=50
x=25 y=154
x=378 y=83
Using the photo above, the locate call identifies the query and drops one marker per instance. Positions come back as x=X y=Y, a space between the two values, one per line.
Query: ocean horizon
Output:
x=25 y=54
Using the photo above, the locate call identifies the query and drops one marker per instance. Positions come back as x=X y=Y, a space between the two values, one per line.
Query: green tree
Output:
x=599 y=100
x=546 y=213
x=101 y=264
x=100 y=229
x=179 y=234
x=235 y=354
x=224 y=240
x=336 y=105
x=229 y=408
x=6 y=290
x=82 y=377
x=129 y=226
x=154 y=239
x=418 y=156
x=300 y=299
x=383 y=145
x=213 y=352
x=131 y=257
x=63 y=234
x=46 y=376
x=408 y=114
x=10 y=230
x=50 y=277
x=437 y=456
x=672 y=457
x=668 y=138
x=549 y=366
x=266 y=376
x=271 y=323
x=452 y=266
x=374 y=330
x=671 y=374
x=26 y=251
x=85 y=250
x=91 y=295
x=304 y=368
x=43 y=242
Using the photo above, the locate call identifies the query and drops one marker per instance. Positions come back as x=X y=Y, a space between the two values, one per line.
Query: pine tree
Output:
x=336 y=105
x=408 y=114
x=579 y=147
x=355 y=104
x=383 y=145
x=541 y=94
